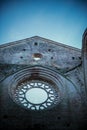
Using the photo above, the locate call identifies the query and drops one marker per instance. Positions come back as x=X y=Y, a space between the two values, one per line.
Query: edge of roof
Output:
x=41 y=38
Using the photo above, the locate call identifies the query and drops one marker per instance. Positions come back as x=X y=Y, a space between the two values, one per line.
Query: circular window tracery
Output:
x=36 y=88
x=36 y=95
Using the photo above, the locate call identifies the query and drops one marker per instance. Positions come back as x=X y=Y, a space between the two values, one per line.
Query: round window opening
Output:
x=36 y=95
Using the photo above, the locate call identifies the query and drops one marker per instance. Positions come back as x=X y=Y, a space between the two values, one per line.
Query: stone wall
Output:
x=44 y=60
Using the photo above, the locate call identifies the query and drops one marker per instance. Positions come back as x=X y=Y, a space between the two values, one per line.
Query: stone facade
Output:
x=38 y=61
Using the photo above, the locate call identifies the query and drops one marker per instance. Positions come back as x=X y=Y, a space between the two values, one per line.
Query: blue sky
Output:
x=63 y=21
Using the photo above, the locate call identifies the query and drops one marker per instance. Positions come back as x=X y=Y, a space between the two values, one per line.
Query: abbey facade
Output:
x=43 y=85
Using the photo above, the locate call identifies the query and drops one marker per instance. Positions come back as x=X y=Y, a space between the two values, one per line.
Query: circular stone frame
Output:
x=36 y=78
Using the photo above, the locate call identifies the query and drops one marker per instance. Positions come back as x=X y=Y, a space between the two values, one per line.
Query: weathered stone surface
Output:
x=61 y=66
x=84 y=58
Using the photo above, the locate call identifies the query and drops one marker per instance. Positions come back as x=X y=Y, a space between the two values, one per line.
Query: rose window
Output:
x=36 y=95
